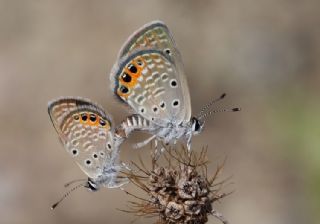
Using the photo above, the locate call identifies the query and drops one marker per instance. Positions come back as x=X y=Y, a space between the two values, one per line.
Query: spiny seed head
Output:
x=179 y=192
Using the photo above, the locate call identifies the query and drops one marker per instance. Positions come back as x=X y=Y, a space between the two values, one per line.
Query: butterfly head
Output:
x=91 y=185
x=196 y=125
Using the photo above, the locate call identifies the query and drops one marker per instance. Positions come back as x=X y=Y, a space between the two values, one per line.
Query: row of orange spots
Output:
x=91 y=119
x=129 y=76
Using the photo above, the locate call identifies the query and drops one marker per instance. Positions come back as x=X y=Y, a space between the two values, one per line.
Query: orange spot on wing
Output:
x=94 y=123
x=134 y=76
x=82 y=121
x=123 y=95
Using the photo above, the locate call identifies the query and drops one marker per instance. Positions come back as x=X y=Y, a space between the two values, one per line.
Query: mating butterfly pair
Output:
x=148 y=76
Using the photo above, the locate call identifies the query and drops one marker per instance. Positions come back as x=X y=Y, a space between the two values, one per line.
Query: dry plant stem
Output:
x=180 y=191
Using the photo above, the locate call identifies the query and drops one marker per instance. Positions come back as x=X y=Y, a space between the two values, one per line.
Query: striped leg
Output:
x=132 y=123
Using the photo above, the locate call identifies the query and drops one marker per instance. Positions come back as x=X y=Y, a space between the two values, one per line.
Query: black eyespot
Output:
x=93 y=117
x=173 y=83
x=95 y=156
x=76 y=117
x=124 y=89
x=162 y=105
x=142 y=110
x=74 y=152
x=88 y=161
x=132 y=68
x=175 y=103
x=155 y=109
x=125 y=77
x=102 y=122
x=167 y=51
x=109 y=145
x=84 y=117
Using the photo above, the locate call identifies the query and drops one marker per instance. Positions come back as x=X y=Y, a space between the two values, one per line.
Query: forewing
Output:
x=156 y=36
x=85 y=131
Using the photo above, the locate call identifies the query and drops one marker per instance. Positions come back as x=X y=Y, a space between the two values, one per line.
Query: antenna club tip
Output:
x=223 y=95
x=236 y=109
x=53 y=206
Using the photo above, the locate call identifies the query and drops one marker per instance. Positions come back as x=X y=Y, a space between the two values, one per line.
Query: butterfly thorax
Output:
x=171 y=132
x=167 y=133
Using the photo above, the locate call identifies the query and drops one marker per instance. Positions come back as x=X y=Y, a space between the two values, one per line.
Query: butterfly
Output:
x=149 y=77
x=87 y=134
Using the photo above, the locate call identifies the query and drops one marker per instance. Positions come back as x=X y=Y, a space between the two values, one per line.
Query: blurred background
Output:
x=263 y=54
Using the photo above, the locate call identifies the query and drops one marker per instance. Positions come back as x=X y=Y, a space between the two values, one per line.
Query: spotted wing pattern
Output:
x=85 y=131
x=149 y=76
x=147 y=81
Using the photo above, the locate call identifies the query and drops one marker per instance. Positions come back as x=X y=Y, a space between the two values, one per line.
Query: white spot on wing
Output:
x=144 y=71
x=151 y=66
x=161 y=66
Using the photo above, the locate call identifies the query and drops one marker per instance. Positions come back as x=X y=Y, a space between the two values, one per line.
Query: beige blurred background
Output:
x=263 y=54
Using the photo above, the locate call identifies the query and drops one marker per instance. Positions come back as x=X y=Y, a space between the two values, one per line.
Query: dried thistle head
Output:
x=180 y=191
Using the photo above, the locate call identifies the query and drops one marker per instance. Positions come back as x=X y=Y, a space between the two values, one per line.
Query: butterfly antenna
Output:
x=223 y=95
x=73 y=181
x=203 y=116
x=66 y=195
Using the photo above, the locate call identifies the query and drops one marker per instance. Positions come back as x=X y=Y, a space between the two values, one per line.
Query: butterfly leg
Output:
x=189 y=143
x=219 y=216
x=145 y=142
x=117 y=183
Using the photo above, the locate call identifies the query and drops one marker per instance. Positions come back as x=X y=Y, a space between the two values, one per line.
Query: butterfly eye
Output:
x=125 y=77
x=132 y=68
x=195 y=124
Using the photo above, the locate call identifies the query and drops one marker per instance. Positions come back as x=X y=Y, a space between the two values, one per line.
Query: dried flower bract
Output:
x=180 y=191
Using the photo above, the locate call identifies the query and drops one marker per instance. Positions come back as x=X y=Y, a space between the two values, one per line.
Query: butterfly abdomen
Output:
x=132 y=123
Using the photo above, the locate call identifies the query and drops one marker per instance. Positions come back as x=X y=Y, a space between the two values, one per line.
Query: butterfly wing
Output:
x=150 y=75
x=152 y=35
x=85 y=131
